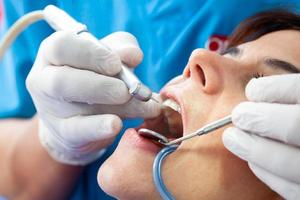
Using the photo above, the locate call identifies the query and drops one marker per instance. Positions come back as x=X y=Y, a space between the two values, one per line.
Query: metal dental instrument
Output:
x=203 y=130
x=152 y=135
x=136 y=88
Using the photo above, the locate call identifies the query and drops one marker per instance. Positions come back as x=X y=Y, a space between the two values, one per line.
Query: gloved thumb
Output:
x=136 y=108
x=126 y=46
x=81 y=130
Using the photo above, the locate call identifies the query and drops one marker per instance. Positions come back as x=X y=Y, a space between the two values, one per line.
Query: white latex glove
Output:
x=79 y=105
x=267 y=132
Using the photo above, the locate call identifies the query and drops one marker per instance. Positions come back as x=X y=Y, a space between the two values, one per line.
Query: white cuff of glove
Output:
x=59 y=152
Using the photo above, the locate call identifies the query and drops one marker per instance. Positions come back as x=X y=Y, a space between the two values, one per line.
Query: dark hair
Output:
x=264 y=23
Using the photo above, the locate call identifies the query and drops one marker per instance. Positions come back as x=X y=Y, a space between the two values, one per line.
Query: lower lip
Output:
x=133 y=139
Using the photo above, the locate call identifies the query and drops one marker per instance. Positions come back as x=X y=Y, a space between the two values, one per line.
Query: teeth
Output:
x=172 y=116
x=171 y=104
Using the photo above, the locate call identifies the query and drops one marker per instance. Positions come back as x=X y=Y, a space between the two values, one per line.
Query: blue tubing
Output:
x=158 y=181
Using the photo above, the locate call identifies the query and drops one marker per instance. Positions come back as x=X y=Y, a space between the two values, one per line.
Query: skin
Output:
x=27 y=171
x=201 y=168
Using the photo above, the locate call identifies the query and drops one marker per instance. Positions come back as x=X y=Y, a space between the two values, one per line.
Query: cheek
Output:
x=198 y=113
x=203 y=109
x=231 y=97
x=237 y=79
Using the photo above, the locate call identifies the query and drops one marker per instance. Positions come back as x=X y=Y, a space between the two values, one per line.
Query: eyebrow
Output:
x=281 y=64
x=270 y=62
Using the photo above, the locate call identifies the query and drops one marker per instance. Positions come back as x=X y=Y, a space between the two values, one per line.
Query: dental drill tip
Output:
x=154 y=99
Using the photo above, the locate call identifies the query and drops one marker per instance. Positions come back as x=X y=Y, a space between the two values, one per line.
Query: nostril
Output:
x=201 y=75
x=187 y=72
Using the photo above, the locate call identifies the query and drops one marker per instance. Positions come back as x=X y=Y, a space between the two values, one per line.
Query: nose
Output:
x=204 y=68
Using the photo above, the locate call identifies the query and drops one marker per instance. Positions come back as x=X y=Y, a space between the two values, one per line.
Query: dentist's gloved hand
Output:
x=267 y=132
x=79 y=103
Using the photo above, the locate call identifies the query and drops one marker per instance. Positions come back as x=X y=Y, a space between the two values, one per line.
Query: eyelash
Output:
x=257 y=75
x=231 y=51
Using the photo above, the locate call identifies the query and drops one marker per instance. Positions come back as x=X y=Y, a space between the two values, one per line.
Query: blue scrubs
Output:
x=167 y=31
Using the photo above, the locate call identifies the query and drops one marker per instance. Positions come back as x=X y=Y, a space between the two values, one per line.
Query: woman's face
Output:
x=209 y=88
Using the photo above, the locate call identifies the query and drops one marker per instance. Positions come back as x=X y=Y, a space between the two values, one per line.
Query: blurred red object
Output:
x=217 y=43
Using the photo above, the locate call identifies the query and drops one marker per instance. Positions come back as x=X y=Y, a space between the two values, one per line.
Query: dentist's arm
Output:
x=267 y=132
x=27 y=172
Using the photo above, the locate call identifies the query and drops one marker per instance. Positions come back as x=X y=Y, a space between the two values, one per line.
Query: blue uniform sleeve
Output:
x=14 y=67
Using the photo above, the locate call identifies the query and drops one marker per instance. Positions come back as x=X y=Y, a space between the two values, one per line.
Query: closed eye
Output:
x=233 y=51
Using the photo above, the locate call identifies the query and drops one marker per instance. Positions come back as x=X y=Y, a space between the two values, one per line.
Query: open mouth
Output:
x=169 y=124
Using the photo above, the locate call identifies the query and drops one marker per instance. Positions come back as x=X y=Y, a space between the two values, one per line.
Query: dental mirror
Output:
x=152 y=135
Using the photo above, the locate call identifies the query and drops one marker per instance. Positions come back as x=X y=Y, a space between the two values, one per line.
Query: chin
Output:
x=116 y=182
x=112 y=181
x=127 y=173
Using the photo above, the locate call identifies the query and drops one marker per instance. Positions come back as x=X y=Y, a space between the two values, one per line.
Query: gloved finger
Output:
x=100 y=144
x=278 y=158
x=285 y=188
x=68 y=48
x=277 y=121
x=277 y=88
x=72 y=85
x=134 y=108
x=80 y=130
x=126 y=46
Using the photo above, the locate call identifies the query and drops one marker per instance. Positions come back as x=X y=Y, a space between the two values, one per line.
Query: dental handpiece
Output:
x=135 y=86
x=60 y=20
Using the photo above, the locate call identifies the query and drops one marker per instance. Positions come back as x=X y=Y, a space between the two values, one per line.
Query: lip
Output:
x=134 y=140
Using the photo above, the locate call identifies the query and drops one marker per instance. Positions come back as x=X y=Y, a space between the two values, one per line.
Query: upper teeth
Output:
x=172 y=116
x=171 y=104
